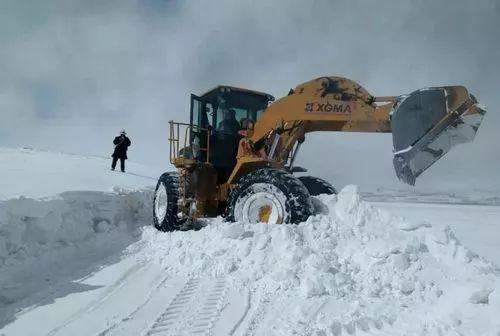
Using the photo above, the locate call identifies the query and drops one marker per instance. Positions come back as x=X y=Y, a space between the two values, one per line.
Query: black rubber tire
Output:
x=171 y=182
x=317 y=186
x=298 y=204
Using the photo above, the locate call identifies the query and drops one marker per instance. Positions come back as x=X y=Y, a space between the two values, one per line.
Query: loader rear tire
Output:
x=165 y=202
x=269 y=196
x=317 y=186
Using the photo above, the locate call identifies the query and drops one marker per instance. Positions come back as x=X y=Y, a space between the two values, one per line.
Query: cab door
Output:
x=198 y=138
x=196 y=112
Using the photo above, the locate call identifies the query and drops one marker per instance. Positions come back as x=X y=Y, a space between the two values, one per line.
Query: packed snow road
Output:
x=134 y=297
x=354 y=269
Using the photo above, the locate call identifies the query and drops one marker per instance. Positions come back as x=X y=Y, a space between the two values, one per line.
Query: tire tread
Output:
x=317 y=186
x=171 y=181
x=299 y=204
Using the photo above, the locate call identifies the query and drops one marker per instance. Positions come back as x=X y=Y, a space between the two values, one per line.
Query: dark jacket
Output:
x=121 y=145
x=229 y=126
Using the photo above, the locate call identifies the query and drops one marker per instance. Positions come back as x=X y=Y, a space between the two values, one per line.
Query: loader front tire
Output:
x=317 y=186
x=165 y=202
x=269 y=196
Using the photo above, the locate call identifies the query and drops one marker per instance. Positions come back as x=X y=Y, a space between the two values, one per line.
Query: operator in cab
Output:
x=229 y=125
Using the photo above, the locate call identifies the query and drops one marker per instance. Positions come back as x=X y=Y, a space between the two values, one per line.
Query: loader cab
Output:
x=225 y=111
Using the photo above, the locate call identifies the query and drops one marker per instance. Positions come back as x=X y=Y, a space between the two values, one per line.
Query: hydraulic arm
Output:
x=425 y=124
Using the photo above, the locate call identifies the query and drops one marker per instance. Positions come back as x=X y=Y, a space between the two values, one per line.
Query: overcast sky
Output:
x=73 y=73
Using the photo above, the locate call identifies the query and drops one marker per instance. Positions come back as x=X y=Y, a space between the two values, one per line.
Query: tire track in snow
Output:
x=193 y=310
x=248 y=306
x=107 y=293
x=210 y=309
x=130 y=316
x=258 y=315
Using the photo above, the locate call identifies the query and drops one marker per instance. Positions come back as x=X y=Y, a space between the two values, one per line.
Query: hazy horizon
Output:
x=73 y=73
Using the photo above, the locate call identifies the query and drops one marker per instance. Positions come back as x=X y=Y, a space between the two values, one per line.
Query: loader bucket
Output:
x=427 y=123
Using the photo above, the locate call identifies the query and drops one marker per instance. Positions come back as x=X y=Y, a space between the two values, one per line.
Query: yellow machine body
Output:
x=425 y=125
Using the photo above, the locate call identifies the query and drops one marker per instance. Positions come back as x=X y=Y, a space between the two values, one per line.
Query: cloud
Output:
x=75 y=72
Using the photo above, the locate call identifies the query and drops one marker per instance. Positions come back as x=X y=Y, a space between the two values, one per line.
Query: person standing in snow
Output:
x=121 y=142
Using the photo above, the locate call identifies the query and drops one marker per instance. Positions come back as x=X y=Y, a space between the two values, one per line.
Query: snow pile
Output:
x=371 y=269
x=46 y=236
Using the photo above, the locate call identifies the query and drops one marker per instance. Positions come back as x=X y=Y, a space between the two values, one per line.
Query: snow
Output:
x=477 y=225
x=78 y=256
x=38 y=237
x=35 y=174
x=62 y=214
x=386 y=273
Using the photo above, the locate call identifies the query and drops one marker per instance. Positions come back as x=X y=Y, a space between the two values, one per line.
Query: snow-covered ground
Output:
x=87 y=262
x=61 y=216
x=33 y=173
x=477 y=226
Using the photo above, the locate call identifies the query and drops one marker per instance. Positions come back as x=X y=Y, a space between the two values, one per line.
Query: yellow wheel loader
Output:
x=235 y=158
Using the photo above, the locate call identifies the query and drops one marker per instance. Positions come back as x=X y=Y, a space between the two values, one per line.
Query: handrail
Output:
x=175 y=141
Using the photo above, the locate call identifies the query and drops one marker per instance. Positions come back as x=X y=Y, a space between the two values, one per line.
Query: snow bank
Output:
x=62 y=216
x=370 y=269
x=40 y=238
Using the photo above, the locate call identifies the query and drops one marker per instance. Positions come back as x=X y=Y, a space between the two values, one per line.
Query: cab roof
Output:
x=228 y=88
